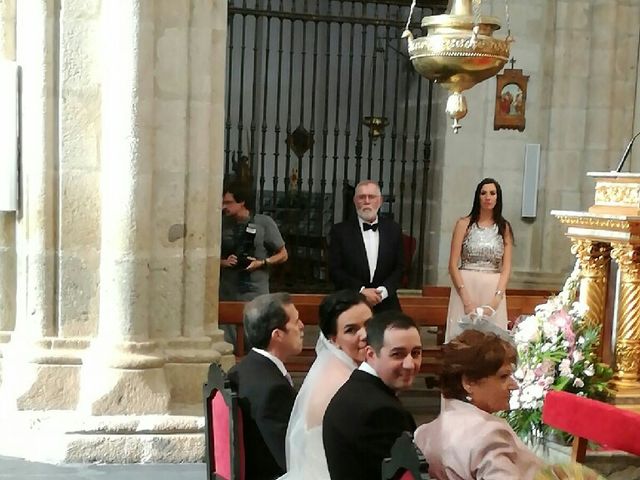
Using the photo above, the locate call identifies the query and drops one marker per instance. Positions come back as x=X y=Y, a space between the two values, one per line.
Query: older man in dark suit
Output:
x=366 y=252
x=365 y=416
x=264 y=387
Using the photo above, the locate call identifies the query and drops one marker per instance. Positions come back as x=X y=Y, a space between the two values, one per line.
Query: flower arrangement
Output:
x=556 y=351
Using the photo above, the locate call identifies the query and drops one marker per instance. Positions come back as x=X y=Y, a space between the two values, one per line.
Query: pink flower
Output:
x=564 y=322
x=543 y=368
x=560 y=319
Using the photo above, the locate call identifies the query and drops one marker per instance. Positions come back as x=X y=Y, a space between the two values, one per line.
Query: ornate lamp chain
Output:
x=507 y=16
x=476 y=22
x=413 y=5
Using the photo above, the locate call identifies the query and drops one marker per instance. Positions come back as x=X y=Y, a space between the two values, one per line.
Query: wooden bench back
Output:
x=428 y=310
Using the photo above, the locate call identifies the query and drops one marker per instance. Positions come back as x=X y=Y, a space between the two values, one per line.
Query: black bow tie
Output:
x=369 y=226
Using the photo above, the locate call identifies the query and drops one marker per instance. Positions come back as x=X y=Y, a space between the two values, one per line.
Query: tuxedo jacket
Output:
x=348 y=265
x=266 y=399
x=492 y=451
x=360 y=425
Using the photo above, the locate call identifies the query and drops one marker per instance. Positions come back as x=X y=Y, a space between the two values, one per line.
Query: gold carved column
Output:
x=595 y=259
x=611 y=229
x=627 y=351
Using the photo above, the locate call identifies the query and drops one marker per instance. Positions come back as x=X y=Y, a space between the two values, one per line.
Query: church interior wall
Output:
x=162 y=215
x=582 y=62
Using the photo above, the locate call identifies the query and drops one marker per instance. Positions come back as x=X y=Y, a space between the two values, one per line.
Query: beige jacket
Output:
x=466 y=443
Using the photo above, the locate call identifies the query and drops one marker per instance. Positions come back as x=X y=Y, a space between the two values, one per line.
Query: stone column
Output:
x=182 y=171
x=123 y=370
x=79 y=168
x=36 y=221
x=626 y=380
x=118 y=239
x=595 y=258
x=32 y=359
x=216 y=163
x=7 y=219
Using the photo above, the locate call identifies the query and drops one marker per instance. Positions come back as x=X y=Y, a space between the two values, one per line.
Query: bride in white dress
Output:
x=340 y=349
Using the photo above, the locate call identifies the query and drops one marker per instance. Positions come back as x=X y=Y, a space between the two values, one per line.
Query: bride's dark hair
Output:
x=333 y=306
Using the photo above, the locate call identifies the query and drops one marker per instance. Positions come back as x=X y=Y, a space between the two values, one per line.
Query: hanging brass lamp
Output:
x=458 y=51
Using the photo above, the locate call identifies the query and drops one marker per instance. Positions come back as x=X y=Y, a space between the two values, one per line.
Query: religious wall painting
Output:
x=511 y=97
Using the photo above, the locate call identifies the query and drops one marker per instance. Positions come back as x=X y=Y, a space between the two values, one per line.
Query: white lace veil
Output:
x=304 y=450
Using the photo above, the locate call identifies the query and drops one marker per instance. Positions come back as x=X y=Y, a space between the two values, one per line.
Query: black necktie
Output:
x=369 y=226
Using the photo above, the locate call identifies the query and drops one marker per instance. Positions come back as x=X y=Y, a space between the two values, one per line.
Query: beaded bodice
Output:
x=482 y=249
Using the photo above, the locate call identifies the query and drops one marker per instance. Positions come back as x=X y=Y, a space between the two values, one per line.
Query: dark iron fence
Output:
x=321 y=95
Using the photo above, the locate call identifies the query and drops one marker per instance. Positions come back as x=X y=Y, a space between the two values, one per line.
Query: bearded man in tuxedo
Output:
x=366 y=252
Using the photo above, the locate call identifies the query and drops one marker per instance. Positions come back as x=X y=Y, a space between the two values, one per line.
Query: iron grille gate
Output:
x=318 y=98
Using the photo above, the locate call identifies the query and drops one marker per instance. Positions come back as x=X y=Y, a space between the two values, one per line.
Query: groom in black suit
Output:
x=264 y=386
x=365 y=417
x=366 y=252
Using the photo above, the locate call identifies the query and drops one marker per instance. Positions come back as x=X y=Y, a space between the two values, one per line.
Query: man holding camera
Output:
x=250 y=244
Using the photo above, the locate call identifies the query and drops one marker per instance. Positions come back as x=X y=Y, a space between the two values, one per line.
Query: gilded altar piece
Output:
x=595 y=259
x=627 y=350
x=610 y=229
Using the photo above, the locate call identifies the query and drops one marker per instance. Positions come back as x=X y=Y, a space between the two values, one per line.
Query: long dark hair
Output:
x=498 y=219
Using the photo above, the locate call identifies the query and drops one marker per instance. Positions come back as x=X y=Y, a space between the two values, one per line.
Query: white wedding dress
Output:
x=304 y=449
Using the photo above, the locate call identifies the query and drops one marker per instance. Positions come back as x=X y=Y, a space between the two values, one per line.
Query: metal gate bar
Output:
x=288 y=65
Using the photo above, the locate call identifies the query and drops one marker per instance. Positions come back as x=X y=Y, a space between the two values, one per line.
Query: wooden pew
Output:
x=428 y=310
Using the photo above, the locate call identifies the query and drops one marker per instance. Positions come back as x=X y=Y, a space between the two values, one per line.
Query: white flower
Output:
x=577 y=356
x=578 y=383
x=550 y=330
x=533 y=392
x=579 y=309
x=527 y=331
x=565 y=368
x=589 y=371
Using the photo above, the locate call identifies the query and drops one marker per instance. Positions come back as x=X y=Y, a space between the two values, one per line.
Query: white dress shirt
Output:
x=365 y=367
x=278 y=363
x=371 y=245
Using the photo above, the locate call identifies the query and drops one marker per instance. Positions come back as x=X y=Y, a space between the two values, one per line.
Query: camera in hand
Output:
x=246 y=247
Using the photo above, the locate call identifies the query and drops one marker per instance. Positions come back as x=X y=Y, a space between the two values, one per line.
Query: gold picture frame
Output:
x=511 y=99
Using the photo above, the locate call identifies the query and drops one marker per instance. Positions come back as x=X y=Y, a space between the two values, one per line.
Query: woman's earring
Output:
x=468 y=397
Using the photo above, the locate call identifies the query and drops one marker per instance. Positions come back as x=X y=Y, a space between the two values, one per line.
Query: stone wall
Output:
x=115 y=247
x=582 y=62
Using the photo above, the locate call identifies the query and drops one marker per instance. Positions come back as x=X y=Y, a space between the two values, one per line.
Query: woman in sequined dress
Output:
x=480 y=259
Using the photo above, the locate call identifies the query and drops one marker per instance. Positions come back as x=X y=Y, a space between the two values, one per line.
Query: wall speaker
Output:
x=9 y=135
x=530 y=180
